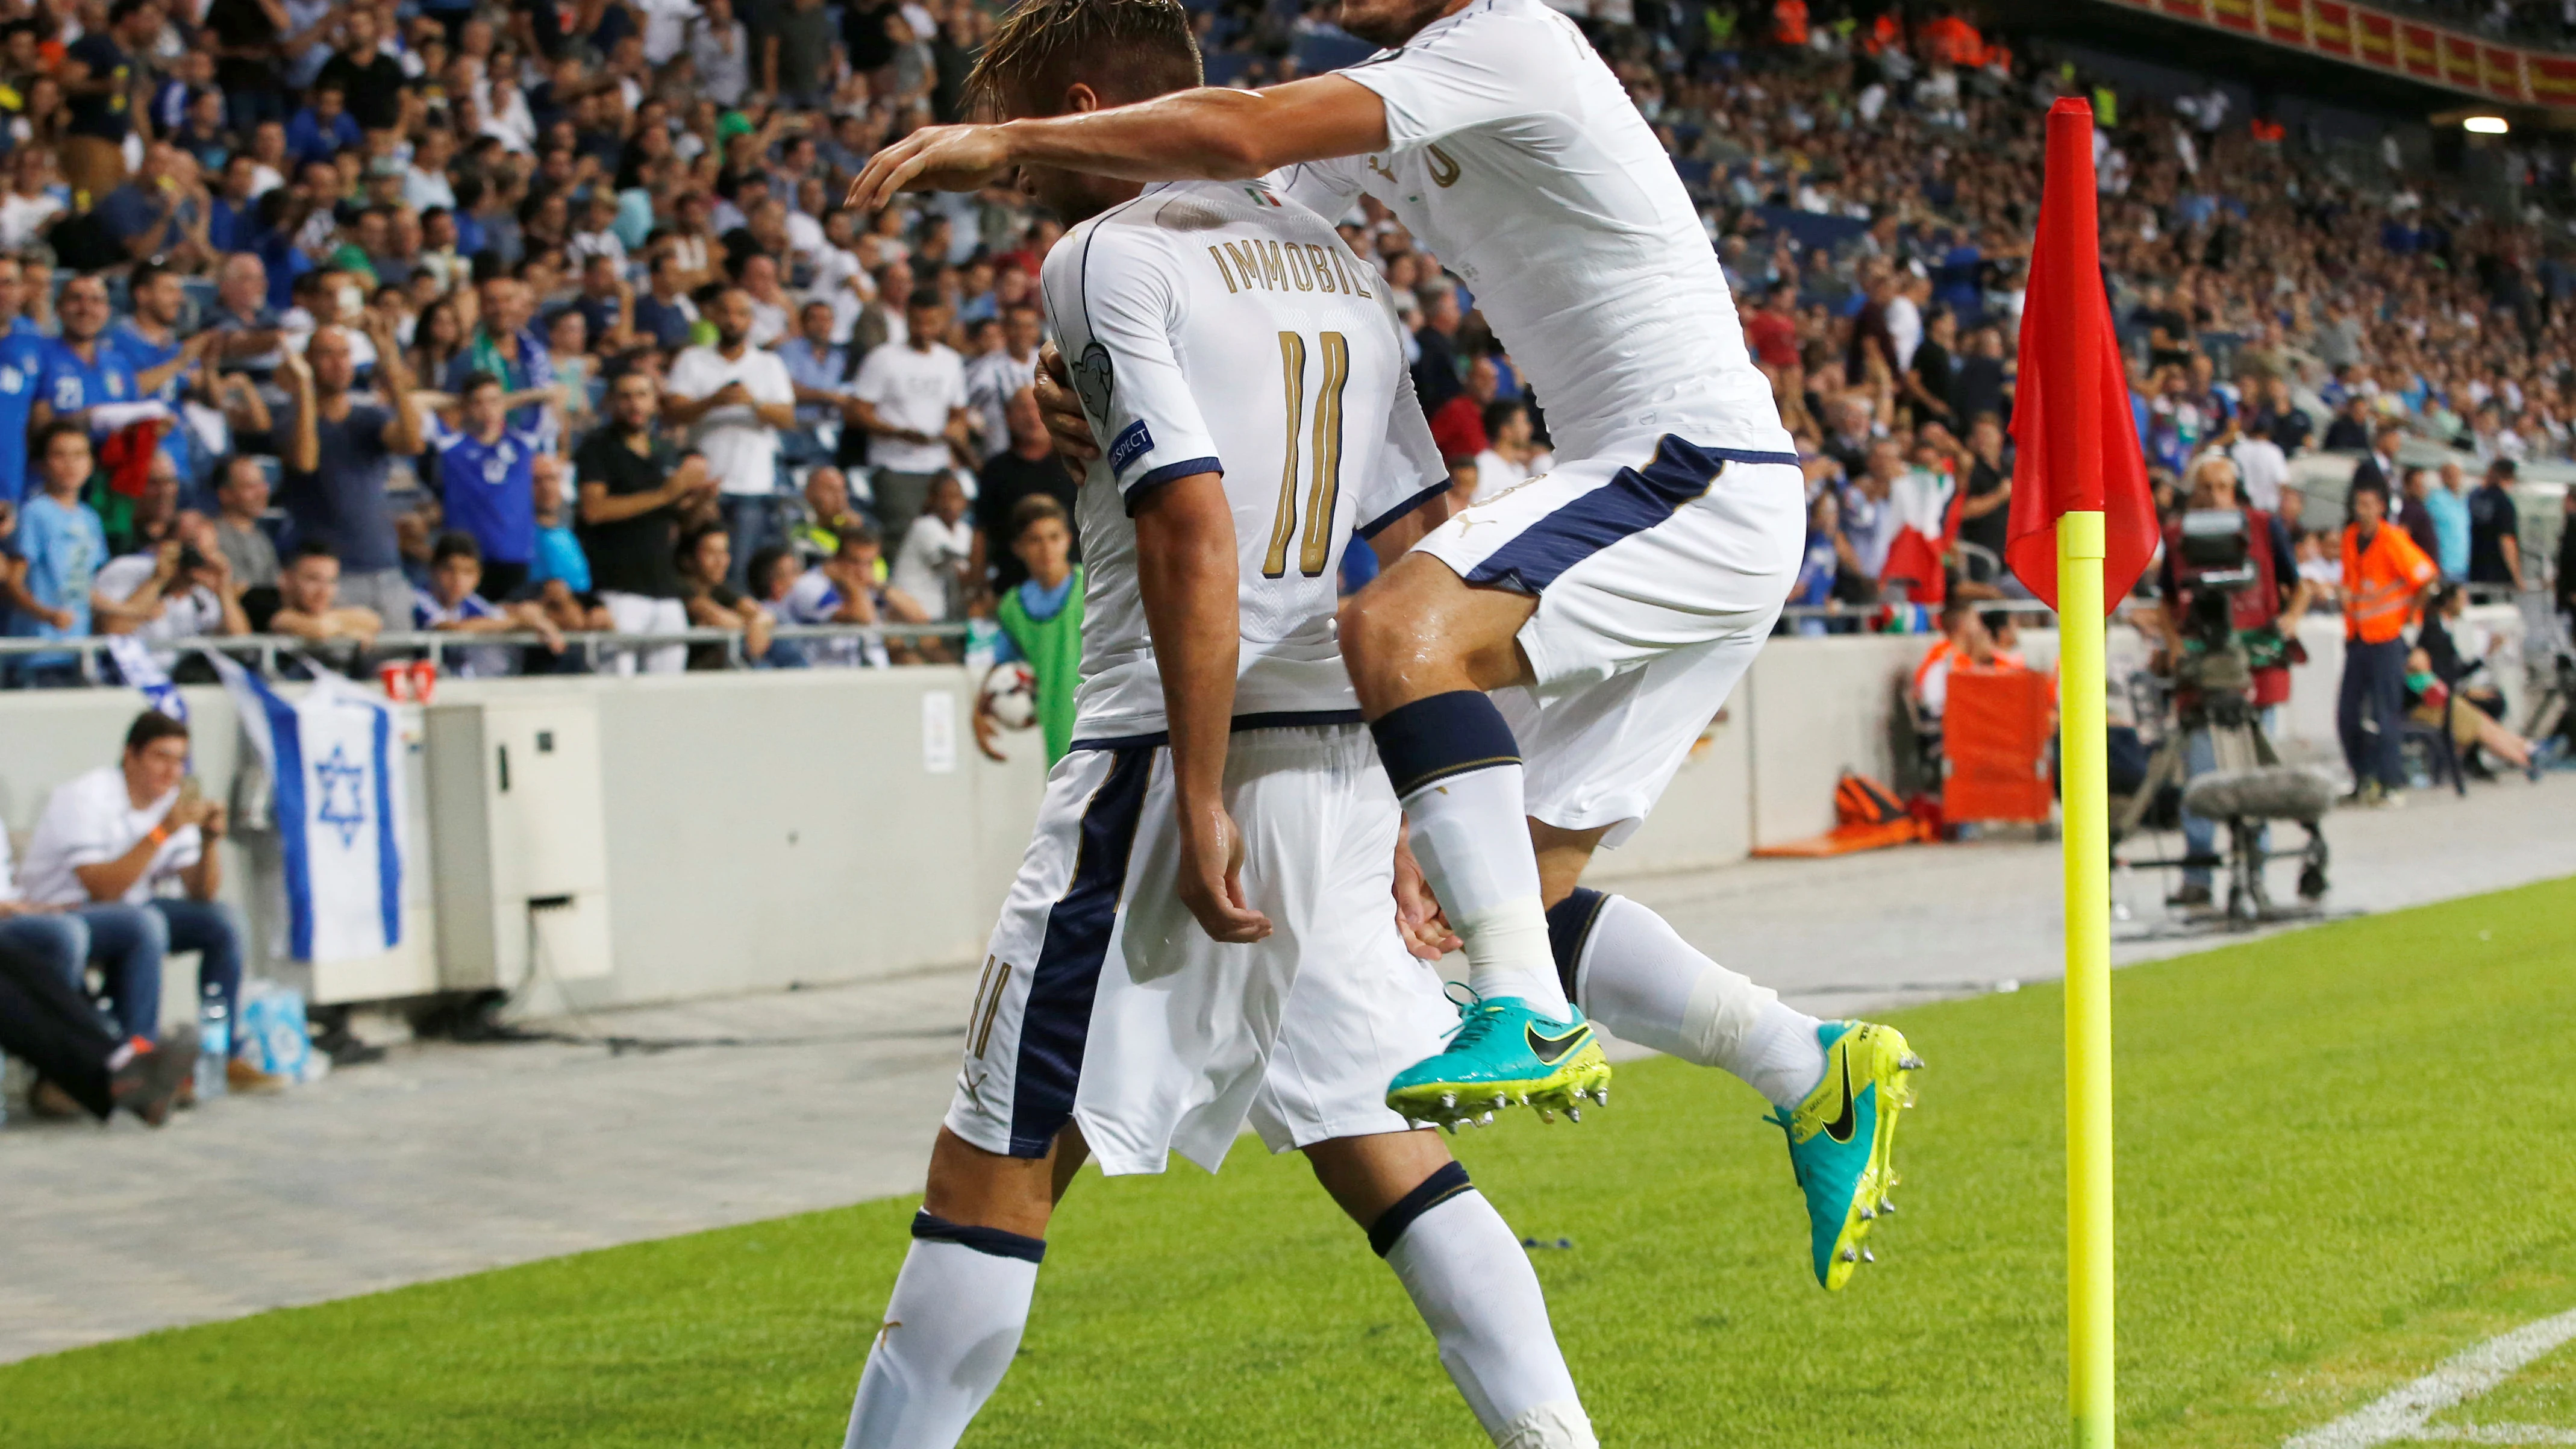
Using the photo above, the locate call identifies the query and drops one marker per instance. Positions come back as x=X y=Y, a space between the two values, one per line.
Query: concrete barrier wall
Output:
x=787 y=827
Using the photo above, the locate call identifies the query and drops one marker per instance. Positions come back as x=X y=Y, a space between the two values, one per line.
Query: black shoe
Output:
x=149 y=1082
x=2189 y=897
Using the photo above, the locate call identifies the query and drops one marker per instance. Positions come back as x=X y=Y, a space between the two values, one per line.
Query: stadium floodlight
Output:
x=2485 y=125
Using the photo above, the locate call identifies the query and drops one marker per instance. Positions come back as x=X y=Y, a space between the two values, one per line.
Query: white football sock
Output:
x=1643 y=981
x=950 y=1331
x=1471 y=835
x=1476 y=1290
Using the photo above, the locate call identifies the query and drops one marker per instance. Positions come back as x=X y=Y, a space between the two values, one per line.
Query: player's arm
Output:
x=1209 y=134
x=1186 y=573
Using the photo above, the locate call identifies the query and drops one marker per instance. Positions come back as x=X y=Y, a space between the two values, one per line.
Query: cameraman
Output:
x=2254 y=610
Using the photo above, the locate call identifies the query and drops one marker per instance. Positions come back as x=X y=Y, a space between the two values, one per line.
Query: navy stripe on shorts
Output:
x=1633 y=501
x=1056 y=1020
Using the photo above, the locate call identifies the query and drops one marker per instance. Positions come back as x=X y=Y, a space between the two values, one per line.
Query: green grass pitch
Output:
x=2345 y=1154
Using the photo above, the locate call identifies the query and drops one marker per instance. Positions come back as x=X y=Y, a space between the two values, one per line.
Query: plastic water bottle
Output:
x=983 y=638
x=214 y=1043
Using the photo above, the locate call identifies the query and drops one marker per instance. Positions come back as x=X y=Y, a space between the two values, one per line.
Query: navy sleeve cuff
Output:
x=1137 y=490
x=1382 y=524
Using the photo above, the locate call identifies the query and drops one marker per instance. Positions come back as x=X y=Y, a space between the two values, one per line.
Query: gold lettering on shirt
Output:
x=1219 y=258
x=1444 y=171
x=1323 y=263
x=1274 y=271
x=1300 y=270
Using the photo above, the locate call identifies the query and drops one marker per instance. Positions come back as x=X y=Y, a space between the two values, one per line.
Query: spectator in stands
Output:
x=2384 y=579
x=843 y=589
x=1028 y=468
x=503 y=346
x=665 y=314
x=2378 y=468
x=1512 y=455
x=2260 y=464
x=309 y=605
x=2448 y=509
x=454 y=604
x=105 y=87
x=1964 y=640
x=1870 y=520
x=1041 y=618
x=81 y=371
x=2349 y=430
x=486 y=487
x=712 y=604
x=931 y=566
x=911 y=399
x=735 y=399
x=47 y=1023
x=339 y=452
x=996 y=377
x=818 y=370
x=2415 y=512
x=2495 y=529
x=1458 y=425
x=636 y=491
x=61 y=545
x=182 y=588
x=323 y=127
x=123 y=833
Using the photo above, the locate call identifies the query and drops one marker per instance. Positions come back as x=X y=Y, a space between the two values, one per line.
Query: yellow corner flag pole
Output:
x=2082 y=744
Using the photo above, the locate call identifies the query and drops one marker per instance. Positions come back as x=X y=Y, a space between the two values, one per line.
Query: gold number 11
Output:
x=1326 y=490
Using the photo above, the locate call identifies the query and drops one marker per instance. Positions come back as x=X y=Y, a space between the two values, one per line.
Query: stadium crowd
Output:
x=337 y=319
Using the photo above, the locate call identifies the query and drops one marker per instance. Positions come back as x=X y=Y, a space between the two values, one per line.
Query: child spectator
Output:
x=452 y=605
x=843 y=590
x=486 y=486
x=706 y=557
x=1042 y=620
x=62 y=545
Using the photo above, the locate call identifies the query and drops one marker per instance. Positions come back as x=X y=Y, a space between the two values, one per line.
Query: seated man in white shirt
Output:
x=930 y=567
x=123 y=834
x=450 y=605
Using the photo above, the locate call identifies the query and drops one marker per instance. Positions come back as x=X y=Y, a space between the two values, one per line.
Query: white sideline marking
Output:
x=2404 y=1415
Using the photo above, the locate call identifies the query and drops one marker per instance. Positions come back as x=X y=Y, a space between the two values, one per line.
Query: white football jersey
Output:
x=1518 y=159
x=1216 y=327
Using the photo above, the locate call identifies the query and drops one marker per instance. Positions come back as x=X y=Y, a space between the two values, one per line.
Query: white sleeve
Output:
x=1323 y=187
x=1111 y=295
x=956 y=381
x=1477 y=72
x=121 y=577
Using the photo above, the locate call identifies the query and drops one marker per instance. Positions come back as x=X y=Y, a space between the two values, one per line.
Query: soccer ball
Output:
x=1010 y=695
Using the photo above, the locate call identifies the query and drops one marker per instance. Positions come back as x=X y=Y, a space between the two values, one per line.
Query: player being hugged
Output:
x=1203 y=931
x=1613 y=602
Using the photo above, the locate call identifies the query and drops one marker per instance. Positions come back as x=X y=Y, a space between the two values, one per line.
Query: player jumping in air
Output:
x=1613 y=602
x=1202 y=931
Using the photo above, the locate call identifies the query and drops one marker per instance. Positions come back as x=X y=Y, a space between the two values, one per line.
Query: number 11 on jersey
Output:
x=1325 y=492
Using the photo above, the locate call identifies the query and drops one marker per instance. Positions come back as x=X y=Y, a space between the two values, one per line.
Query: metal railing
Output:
x=263 y=651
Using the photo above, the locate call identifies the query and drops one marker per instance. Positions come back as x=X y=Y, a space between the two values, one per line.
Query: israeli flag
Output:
x=339 y=810
x=146 y=674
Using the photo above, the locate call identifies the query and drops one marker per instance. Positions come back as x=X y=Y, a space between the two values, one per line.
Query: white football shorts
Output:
x=1103 y=1003
x=1659 y=569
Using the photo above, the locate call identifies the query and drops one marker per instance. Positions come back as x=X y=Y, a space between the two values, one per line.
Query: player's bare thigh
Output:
x=1418 y=630
x=981 y=1189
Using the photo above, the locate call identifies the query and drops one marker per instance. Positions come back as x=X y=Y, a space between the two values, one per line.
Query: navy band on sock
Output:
x=1569 y=925
x=1430 y=1193
x=1432 y=739
x=992 y=1242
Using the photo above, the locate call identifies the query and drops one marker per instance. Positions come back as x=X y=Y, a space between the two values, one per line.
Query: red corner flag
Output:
x=2076 y=444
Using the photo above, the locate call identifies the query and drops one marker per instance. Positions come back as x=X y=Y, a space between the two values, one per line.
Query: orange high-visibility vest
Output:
x=2381 y=582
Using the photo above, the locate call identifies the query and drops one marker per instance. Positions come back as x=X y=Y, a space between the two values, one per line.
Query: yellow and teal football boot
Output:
x=1841 y=1139
x=1503 y=1054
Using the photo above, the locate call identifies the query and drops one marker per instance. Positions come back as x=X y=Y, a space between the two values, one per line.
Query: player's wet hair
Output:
x=1126 y=50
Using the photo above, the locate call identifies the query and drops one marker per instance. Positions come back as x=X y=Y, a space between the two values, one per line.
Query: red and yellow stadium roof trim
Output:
x=2378 y=40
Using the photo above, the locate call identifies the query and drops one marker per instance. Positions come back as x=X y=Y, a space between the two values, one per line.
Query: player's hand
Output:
x=934 y=158
x=1418 y=917
x=1062 y=410
x=988 y=735
x=1211 y=877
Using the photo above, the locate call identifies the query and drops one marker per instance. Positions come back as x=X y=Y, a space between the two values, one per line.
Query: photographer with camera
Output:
x=2384 y=579
x=2229 y=577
